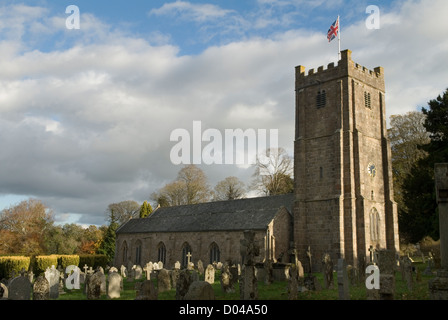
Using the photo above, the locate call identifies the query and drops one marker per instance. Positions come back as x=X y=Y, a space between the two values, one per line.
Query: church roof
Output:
x=241 y=214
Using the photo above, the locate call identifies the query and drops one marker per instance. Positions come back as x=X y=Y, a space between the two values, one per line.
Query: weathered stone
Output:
x=115 y=285
x=200 y=290
x=19 y=289
x=41 y=289
x=163 y=280
x=146 y=291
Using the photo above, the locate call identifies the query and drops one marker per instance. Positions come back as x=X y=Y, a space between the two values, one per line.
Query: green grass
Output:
x=278 y=290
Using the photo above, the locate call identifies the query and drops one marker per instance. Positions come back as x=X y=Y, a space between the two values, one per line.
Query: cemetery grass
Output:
x=278 y=290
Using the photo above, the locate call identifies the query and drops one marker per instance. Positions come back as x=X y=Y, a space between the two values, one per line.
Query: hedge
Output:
x=40 y=263
x=13 y=263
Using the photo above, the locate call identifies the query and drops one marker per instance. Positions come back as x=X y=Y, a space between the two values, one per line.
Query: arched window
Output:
x=124 y=250
x=374 y=225
x=215 y=255
x=186 y=254
x=161 y=253
x=138 y=252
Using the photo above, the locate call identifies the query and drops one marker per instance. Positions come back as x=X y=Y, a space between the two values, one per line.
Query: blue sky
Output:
x=86 y=115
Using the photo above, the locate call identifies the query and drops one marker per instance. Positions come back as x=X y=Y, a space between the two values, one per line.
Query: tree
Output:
x=107 y=245
x=273 y=173
x=418 y=216
x=407 y=134
x=22 y=228
x=123 y=211
x=229 y=189
x=145 y=209
x=190 y=188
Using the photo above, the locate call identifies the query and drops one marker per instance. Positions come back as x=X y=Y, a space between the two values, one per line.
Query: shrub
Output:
x=67 y=260
x=16 y=264
x=93 y=260
x=41 y=263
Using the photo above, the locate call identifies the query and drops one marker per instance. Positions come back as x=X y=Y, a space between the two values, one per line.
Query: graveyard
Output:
x=411 y=275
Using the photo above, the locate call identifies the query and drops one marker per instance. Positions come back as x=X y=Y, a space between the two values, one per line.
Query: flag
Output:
x=333 y=31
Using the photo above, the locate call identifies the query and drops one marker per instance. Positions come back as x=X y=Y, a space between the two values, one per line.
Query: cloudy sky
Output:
x=86 y=114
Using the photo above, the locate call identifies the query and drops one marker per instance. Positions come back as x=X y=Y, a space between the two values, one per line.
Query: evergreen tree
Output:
x=107 y=246
x=145 y=209
x=419 y=217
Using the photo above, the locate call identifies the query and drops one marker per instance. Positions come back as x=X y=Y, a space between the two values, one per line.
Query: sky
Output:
x=87 y=114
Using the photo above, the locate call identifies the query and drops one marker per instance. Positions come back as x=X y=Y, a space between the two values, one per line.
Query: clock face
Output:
x=371 y=169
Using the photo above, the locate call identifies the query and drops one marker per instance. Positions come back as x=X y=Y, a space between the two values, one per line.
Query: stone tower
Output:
x=342 y=164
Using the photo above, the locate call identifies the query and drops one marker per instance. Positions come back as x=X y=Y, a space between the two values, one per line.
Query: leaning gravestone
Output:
x=19 y=289
x=41 y=289
x=53 y=275
x=115 y=285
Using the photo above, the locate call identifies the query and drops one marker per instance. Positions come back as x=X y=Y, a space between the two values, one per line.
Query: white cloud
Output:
x=88 y=124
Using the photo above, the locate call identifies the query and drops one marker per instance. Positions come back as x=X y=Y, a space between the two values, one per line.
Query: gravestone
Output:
x=177 y=265
x=138 y=271
x=163 y=280
x=248 y=280
x=52 y=276
x=3 y=291
x=183 y=284
x=174 y=277
x=200 y=290
x=123 y=271
x=41 y=288
x=73 y=277
x=148 y=270
x=115 y=285
x=200 y=267
x=343 y=282
x=407 y=272
x=19 y=289
x=112 y=269
x=386 y=264
x=210 y=274
x=227 y=282
x=94 y=283
x=293 y=283
x=438 y=287
x=146 y=291
x=159 y=265
x=327 y=267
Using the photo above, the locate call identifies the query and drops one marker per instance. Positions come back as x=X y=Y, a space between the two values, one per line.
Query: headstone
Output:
x=407 y=272
x=160 y=265
x=386 y=264
x=343 y=282
x=200 y=290
x=293 y=283
x=163 y=281
x=438 y=287
x=174 y=277
x=3 y=291
x=93 y=286
x=210 y=274
x=41 y=288
x=115 y=285
x=248 y=280
x=327 y=267
x=123 y=271
x=19 y=289
x=146 y=291
x=148 y=270
x=137 y=272
x=112 y=269
x=73 y=277
x=52 y=276
x=177 y=265
x=227 y=283
x=200 y=267
x=183 y=284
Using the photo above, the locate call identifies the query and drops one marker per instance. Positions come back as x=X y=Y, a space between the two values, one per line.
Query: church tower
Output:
x=342 y=164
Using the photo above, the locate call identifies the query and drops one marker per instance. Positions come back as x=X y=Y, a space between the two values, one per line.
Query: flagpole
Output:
x=339 y=38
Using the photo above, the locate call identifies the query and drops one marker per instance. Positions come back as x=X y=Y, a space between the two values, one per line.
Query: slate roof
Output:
x=241 y=214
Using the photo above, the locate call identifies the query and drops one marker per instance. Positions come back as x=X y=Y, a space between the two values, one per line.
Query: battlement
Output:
x=345 y=67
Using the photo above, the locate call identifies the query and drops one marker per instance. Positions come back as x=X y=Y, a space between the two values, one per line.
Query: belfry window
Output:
x=367 y=100
x=321 y=99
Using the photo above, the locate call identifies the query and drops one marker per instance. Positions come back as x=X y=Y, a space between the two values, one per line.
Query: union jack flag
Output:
x=333 y=31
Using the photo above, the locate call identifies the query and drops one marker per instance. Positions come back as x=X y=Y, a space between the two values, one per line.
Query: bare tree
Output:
x=190 y=188
x=123 y=211
x=273 y=172
x=229 y=189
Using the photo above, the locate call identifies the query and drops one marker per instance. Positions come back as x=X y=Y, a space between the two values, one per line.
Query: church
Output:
x=343 y=194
